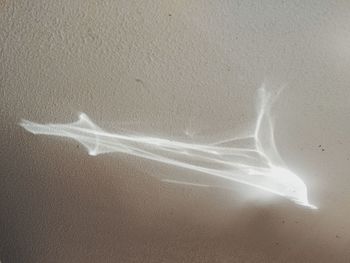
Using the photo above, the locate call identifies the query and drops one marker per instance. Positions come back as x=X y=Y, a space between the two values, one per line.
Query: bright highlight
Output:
x=251 y=160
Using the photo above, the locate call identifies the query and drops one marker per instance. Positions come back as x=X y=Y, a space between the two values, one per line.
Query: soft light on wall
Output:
x=252 y=159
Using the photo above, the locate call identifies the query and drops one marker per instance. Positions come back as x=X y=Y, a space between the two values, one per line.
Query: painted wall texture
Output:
x=171 y=69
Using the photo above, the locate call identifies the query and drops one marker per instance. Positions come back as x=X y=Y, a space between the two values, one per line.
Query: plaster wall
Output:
x=171 y=68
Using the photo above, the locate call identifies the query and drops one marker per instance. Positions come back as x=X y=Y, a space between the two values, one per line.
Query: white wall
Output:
x=163 y=68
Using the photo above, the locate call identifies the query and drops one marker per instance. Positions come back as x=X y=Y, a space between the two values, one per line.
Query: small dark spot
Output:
x=138 y=80
x=337 y=236
x=169 y=15
x=276 y=243
x=322 y=150
x=78 y=146
x=319 y=146
x=2 y=3
x=297 y=222
x=283 y=221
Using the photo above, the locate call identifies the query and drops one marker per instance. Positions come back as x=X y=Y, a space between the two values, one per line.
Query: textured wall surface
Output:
x=168 y=68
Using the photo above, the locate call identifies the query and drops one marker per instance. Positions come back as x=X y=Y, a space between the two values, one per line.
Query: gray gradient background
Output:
x=163 y=68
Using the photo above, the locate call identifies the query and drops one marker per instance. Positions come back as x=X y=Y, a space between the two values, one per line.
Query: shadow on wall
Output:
x=60 y=205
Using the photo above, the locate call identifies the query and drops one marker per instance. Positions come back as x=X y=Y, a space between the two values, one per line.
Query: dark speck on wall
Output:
x=319 y=146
